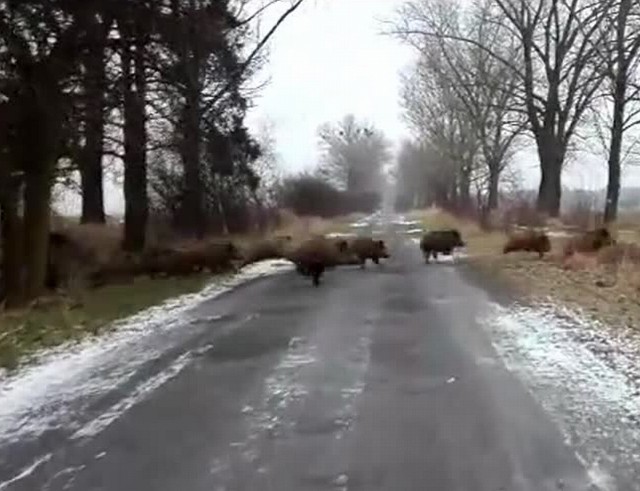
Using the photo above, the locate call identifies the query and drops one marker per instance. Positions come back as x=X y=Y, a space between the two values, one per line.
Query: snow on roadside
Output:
x=46 y=394
x=583 y=373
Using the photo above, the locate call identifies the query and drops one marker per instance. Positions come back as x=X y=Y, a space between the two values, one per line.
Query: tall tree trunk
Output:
x=135 y=144
x=37 y=211
x=464 y=182
x=194 y=197
x=494 y=180
x=550 y=190
x=619 y=103
x=613 y=182
x=12 y=259
x=91 y=175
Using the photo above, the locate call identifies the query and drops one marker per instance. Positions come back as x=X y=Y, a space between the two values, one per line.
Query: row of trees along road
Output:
x=350 y=175
x=491 y=73
x=161 y=86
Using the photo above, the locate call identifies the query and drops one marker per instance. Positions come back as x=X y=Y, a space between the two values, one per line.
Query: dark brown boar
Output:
x=315 y=255
x=220 y=257
x=171 y=262
x=261 y=250
x=589 y=242
x=528 y=242
x=367 y=248
x=120 y=268
x=440 y=241
x=66 y=260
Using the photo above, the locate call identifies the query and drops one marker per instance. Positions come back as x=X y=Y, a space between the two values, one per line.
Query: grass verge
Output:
x=57 y=320
x=23 y=332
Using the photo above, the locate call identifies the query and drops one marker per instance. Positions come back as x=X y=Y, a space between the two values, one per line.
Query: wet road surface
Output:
x=378 y=380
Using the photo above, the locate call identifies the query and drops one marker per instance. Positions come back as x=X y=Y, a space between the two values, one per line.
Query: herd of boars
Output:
x=312 y=256
x=445 y=241
x=532 y=241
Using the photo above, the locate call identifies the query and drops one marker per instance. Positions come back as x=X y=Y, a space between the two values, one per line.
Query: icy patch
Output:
x=414 y=231
x=53 y=392
x=96 y=426
x=583 y=374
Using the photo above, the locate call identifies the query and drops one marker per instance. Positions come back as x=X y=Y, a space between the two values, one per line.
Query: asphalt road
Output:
x=378 y=380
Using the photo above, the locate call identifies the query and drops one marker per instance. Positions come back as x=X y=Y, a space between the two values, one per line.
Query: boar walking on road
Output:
x=316 y=255
x=528 y=242
x=440 y=241
x=367 y=248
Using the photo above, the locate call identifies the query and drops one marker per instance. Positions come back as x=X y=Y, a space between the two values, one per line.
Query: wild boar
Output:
x=589 y=242
x=315 y=255
x=440 y=241
x=367 y=248
x=529 y=242
x=261 y=250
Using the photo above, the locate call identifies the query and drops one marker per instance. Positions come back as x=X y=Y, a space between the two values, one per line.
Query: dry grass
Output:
x=609 y=291
x=56 y=319
x=85 y=312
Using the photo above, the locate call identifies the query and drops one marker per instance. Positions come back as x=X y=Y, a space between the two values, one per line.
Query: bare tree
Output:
x=440 y=120
x=621 y=56
x=559 y=76
x=485 y=87
x=415 y=177
x=353 y=154
x=267 y=165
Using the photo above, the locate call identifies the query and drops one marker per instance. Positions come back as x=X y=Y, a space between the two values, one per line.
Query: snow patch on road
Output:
x=95 y=426
x=26 y=472
x=584 y=375
x=63 y=381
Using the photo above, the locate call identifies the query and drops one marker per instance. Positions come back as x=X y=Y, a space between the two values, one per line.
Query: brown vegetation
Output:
x=619 y=253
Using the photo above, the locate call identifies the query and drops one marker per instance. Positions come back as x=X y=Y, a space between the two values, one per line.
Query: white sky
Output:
x=326 y=61
x=329 y=59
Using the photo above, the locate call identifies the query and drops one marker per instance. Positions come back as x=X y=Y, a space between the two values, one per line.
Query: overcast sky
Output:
x=329 y=59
